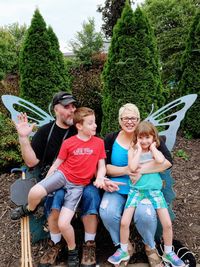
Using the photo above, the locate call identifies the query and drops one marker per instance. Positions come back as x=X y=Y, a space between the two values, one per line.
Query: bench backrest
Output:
x=168 y=117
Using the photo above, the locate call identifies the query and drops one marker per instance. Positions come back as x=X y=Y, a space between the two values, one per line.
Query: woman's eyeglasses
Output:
x=127 y=119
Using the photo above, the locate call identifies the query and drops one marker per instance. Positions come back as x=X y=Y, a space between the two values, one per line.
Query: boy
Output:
x=80 y=158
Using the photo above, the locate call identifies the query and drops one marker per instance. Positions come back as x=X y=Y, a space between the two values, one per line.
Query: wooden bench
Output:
x=168 y=117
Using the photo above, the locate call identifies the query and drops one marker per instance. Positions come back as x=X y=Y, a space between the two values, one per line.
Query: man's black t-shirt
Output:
x=39 y=141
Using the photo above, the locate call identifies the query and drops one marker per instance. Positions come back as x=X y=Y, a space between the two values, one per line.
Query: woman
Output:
x=112 y=204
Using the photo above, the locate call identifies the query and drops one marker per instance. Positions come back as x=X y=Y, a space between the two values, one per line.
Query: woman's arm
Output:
x=115 y=171
x=153 y=166
x=112 y=170
x=148 y=167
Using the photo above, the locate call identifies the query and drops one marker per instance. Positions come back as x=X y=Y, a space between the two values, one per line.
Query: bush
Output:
x=86 y=87
x=10 y=155
x=190 y=78
x=9 y=86
x=131 y=73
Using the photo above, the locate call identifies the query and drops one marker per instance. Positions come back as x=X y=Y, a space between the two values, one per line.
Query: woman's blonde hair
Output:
x=128 y=107
x=145 y=128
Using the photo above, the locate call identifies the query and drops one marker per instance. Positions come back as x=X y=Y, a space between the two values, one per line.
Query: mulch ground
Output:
x=186 y=172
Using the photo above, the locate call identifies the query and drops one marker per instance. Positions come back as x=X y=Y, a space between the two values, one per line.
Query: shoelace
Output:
x=187 y=252
x=89 y=252
x=92 y=253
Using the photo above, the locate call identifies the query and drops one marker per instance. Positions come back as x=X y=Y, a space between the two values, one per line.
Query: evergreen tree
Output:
x=11 y=38
x=190 y=77
x=171 y=20
x=40 y=64
x=59 y=79
x=88 y=43
x=111 y=11
x=131 y=73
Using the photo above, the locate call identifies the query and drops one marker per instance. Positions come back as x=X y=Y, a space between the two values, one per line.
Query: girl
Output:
x=148 y=187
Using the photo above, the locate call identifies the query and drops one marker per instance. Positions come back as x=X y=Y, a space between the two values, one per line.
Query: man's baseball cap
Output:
x=63 y=98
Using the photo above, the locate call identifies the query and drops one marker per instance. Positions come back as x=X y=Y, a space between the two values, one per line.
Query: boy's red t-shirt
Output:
x=81 y=158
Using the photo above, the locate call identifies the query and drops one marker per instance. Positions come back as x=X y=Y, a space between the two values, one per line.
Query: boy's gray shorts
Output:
x=73 y=192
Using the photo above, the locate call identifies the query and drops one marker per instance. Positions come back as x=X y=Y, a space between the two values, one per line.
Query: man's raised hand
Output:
x=22 y=126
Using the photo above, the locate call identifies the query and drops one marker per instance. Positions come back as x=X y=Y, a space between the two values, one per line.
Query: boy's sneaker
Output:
x=119 y=256
x=20 y=212
x=173 y=259
x=73 y=259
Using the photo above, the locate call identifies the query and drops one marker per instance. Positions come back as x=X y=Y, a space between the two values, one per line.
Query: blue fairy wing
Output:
x=15 y=105
x=169 y=117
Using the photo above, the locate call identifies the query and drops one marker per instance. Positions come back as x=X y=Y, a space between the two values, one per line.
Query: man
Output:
x=42 y=151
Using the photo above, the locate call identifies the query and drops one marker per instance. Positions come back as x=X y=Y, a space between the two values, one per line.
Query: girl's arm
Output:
x=134 y=157
x=153 y=166
x=54 y=166
x=157 y=155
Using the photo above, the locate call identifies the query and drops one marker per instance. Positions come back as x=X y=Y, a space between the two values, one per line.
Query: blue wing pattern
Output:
x=170 y=116
x=15 y=105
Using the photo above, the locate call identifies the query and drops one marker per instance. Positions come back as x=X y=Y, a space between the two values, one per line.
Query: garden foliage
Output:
x=87 y=43
x=171 y=20
x=190 y=77
x=111 y=11
x=87 y=86
x=10 y=155
x=41 y=64
x=131 y=73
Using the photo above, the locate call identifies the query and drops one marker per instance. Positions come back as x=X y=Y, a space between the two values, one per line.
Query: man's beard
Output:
x=68 y=122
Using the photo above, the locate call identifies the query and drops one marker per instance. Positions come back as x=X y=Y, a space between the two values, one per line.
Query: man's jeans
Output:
x=89 y=204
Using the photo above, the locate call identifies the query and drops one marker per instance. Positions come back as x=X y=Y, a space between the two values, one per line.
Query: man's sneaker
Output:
x=20 y=212
x=119 y=256
x=173 y=259
x=73 y=259
x=49 y=257
x=89 y=254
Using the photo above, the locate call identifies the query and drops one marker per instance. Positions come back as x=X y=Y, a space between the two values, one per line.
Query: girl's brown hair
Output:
x=145 y=128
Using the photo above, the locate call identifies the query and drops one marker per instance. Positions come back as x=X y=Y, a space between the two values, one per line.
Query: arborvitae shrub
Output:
x=190 y=78
x=131 y=73
x=42 y=69
x=10 y=155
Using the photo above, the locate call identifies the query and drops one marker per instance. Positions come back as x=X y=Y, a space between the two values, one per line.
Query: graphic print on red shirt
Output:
x=81 y=158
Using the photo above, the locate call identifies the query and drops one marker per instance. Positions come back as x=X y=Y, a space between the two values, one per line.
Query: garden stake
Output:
x=26 y=258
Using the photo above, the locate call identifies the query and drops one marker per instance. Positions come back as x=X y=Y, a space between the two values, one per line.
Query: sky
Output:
x=64 y=16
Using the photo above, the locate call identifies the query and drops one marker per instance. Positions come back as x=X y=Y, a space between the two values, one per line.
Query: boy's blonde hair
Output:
x=81 y=113
x=145 y=128
x=128 y=107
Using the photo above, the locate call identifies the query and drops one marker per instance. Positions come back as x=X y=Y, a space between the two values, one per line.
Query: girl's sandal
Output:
x=153 y=258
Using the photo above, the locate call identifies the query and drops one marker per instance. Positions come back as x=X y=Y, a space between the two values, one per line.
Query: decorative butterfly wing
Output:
x=15 y=105
x=170 y=116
